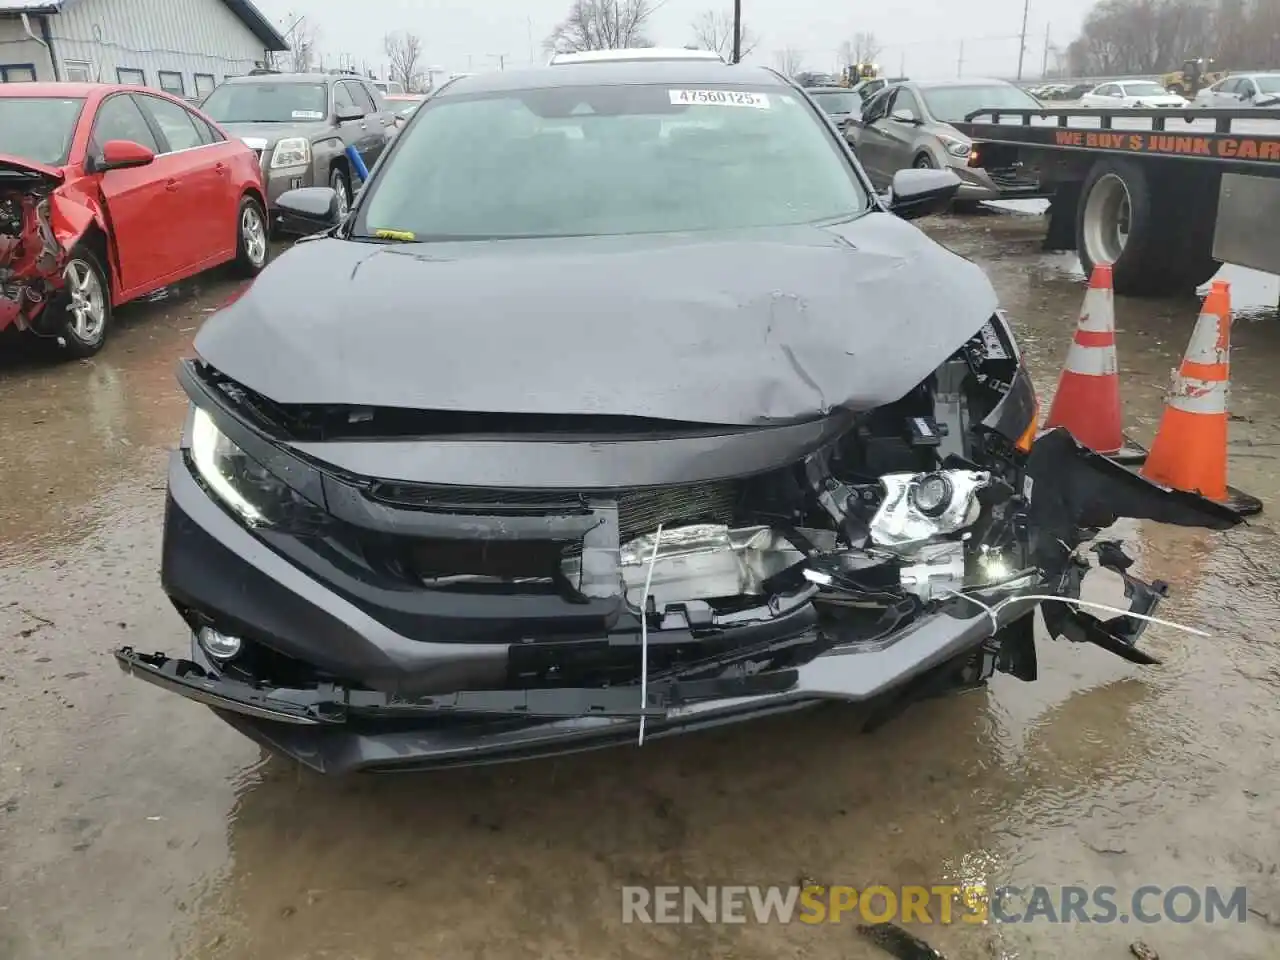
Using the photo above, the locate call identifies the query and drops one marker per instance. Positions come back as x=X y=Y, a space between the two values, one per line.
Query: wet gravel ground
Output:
x=134 y=824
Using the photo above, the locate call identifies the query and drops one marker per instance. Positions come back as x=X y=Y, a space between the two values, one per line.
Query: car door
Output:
x=872 y=146
x=900 y=132
x=201 y=185
x=363 y=132
x=141 y=208
x=354 y=132
x=381 y=121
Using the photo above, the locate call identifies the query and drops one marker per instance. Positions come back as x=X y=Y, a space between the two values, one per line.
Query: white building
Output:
x=183 y=46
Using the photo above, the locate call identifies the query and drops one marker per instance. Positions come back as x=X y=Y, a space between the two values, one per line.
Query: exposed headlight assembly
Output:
x=291 y=152
x=920 y=507
x=245 y=486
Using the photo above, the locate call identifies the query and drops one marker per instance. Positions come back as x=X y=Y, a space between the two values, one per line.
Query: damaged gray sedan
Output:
x=618 y=405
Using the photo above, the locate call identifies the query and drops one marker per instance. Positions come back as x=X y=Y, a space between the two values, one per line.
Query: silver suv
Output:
x=300 y=125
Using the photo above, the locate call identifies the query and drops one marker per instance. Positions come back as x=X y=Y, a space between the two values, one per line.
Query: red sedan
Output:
x=108 y=193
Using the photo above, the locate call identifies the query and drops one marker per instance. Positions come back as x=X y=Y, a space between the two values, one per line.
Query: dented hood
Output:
x=12 y=167
x=739 y=328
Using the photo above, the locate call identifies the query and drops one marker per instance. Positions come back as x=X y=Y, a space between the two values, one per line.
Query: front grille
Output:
x=1008 y=178
x=640 y=510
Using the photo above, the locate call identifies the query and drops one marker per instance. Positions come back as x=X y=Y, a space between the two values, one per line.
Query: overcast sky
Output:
x=922 y=36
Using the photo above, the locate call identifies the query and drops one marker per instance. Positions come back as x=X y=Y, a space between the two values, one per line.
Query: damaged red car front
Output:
x=39 y=224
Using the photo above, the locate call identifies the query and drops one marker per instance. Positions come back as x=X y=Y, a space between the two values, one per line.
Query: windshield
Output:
x=268 y=102
x=583 y=161
x=39 y=128
x=837 y=102
x=1268 y=84
x=1147 y=89
x=953 y=103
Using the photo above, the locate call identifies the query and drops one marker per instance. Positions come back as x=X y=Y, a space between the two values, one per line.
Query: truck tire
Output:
x=1119 y=222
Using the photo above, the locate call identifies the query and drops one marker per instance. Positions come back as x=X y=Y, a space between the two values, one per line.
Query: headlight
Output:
x=918 y=508
x=249 y=489
x=957 y=148
x=291 y=152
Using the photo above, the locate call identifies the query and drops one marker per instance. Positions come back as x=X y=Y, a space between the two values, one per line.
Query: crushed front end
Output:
x=528 y=586
x=38 y=227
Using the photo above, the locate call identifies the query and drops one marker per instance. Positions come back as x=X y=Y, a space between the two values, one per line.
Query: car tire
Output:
x=923 y=161
x=83 y=307
x=1117 y=223
x=340 y=184
x=252 y=232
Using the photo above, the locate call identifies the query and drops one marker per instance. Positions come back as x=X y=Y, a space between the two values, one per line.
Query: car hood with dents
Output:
x=742 y=328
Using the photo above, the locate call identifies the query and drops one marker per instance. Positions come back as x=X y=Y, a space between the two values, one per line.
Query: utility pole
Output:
x=737 y=31
x=1022 y=45
x=960 y=62
x=531 y=58
x=902 y=64
x=1044 y=70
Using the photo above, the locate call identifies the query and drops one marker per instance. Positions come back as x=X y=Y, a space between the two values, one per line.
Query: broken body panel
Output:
x=41 y=220
x=816 y=484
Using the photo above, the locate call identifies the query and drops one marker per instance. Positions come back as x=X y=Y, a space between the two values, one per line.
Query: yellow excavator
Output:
x=855 y=73
x=1194 y=76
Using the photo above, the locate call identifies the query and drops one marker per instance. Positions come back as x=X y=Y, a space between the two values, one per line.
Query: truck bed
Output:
x=1244 y=139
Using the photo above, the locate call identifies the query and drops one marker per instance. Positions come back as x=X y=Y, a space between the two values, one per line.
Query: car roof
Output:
x=960 y=82
x=295 y=78
x=64 y=89
x=635 y=54
x=617 y=73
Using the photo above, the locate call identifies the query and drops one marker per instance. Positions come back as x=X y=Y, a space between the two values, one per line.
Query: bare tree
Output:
x=602 y=25
x=1156 y=36
x=303 y=54
x=713 y=30
x=864 y=48
x=789 y=60
x=404 y=52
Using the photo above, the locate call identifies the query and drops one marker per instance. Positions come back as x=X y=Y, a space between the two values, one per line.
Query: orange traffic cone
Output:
x=1088 y=399
x=1190 y=450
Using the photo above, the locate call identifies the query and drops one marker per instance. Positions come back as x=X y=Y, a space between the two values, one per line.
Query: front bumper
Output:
x=977 y=184
x=212 y=562
x=278 y=182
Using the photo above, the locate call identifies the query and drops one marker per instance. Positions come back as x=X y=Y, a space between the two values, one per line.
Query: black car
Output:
x=839 y=103
x=618 y=404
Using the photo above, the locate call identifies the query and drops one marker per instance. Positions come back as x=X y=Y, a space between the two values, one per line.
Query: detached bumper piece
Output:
x=332 y=704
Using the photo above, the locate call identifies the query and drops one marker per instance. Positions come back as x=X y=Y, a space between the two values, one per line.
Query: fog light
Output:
x=218 y=645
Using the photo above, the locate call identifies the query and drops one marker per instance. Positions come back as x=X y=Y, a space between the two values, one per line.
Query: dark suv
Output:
x=301 y=124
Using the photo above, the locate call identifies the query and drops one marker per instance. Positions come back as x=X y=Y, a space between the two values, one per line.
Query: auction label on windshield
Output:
x=308 y=115
x=721 y=98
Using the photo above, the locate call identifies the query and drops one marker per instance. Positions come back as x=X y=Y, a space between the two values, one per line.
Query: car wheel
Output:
x=251 y=238
x=85 y=304
x=924 y=162
x=341 y=185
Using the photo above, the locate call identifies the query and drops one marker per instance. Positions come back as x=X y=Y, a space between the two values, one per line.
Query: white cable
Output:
x=644 y=634
x=993 y=610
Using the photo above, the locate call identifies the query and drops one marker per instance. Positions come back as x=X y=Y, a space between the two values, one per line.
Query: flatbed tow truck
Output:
x=1165 y=196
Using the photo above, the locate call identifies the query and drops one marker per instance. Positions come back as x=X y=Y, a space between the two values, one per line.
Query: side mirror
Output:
x=121 y=155
x=904 y=116
x=308 y=210
x=919 y=192
x=349 y=113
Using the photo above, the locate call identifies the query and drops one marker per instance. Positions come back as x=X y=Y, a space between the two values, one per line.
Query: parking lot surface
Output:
x=135 y=824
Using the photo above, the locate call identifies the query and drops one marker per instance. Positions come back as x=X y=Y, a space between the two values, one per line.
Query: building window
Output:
x=131 y=76
x=17 y=73
x=204 y=84
x=77 y=71
x=171 y=83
